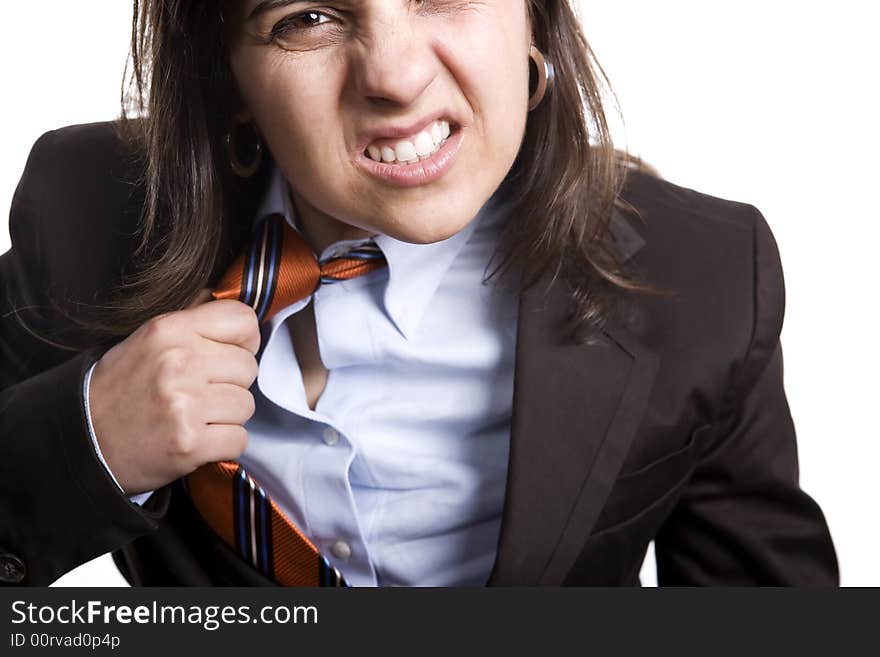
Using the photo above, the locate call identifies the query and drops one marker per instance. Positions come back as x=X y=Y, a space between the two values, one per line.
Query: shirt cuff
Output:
x=87 y=379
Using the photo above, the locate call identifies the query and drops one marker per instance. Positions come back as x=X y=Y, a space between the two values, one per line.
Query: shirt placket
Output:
x=327 y=503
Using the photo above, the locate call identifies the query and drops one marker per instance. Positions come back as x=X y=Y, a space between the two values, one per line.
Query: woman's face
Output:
x=394 y=116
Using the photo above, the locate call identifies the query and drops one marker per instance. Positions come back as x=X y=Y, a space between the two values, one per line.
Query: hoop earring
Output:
x=545 y=76
x=234 y=149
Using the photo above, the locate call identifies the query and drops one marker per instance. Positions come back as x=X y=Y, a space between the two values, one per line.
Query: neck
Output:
x=320 y=230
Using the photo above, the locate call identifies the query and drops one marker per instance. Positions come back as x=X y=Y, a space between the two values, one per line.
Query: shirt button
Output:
x=341 y=550
x=331 y=436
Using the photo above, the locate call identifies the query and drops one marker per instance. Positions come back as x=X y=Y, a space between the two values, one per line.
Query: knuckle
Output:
x=178 y=405
x=173 y=363
x=184 y=440
x=161 y=328
x=164 y=391
x=173 y=401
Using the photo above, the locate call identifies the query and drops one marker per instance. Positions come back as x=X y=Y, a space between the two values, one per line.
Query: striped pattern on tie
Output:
x=276 y=270
x=356 y=262
x=258 y=278
x=240 y=512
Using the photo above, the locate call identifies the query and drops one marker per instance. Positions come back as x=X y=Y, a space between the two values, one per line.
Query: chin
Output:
x=424 y=224
x=428 y=233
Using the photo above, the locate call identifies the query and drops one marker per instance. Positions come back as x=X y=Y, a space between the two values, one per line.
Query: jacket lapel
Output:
x=576 y=409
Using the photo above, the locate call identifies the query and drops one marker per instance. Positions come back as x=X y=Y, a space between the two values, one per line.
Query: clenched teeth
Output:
x=420 y=146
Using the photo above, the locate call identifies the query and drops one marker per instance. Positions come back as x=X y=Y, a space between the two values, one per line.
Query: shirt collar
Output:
x=415 y=271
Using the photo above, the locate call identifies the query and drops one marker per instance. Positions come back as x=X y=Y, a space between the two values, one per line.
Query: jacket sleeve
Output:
x=743 y=519
x=58 y=505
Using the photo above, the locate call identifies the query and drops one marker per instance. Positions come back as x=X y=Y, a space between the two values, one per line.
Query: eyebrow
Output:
x=267 y=5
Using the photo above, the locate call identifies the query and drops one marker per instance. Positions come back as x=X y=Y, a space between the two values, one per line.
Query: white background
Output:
x=773 y=103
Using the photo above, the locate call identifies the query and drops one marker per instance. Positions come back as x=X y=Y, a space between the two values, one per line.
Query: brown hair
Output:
x=179 y=103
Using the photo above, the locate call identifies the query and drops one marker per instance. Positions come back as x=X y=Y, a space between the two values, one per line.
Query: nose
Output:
x=394 y=65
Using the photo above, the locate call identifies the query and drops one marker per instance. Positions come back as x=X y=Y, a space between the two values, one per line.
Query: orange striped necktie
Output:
x=276 y=270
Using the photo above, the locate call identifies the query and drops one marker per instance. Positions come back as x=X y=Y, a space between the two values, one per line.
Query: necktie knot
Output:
x=277 y=268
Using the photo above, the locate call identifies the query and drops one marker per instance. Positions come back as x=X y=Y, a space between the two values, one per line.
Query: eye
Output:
x=303 y=22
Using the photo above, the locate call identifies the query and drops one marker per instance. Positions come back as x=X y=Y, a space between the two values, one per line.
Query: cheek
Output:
x=490 y=66
x=297 y=130
x=295 y=103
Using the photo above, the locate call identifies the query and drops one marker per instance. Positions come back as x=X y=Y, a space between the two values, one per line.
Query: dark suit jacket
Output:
x=674 y=427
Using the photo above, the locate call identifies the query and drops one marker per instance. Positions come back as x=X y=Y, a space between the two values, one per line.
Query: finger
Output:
x=228 y=321
x=224 y=403
x=224 y=442
x=227 y=363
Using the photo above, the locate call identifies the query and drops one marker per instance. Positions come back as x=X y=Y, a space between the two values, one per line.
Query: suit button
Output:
x=12 y=569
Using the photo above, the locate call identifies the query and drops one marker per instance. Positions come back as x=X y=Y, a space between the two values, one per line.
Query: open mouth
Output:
x=415 y=148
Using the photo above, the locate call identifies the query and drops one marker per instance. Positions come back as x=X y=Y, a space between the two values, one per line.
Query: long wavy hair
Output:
x=179 y=100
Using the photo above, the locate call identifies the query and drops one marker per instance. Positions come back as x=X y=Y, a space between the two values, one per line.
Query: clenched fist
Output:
x=175 y=394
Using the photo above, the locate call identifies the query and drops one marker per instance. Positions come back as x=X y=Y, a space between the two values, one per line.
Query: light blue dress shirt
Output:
x=398 y=475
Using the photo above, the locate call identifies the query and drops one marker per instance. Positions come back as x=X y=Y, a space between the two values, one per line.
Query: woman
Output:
x=356 y=406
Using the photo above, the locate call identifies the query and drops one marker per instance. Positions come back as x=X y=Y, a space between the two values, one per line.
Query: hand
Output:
x=175 y=395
